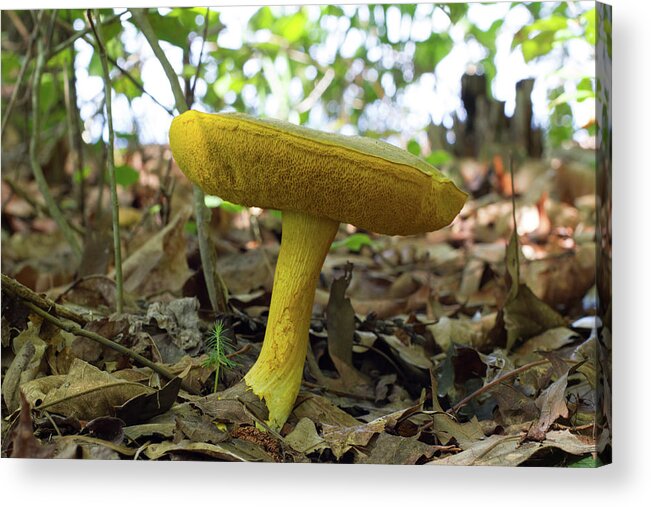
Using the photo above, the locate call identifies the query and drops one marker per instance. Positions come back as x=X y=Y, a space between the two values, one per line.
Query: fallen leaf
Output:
x=160 y=264
x=552 y=406
x=552 y=339
x=200 y=428
x=389 y=449
x=220 y=452
x=90 y=448
x=341 y=440
x=305 y=438
x=446 y=427
x=158 y=430
x=340 y=322
x=146 y=405
x=105 y=428
x=525 y=315
x=85 y=392
x=507 y=450
x=322 y=411
x=411 y=354
x=24 y=443
x=180 y=318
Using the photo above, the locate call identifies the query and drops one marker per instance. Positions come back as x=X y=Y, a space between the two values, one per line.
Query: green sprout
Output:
x=218 y=347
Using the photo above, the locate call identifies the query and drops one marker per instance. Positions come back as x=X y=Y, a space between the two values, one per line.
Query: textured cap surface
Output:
x=273 y=164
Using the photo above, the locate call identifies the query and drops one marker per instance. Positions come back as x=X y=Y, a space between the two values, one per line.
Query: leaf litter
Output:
x=403 y=330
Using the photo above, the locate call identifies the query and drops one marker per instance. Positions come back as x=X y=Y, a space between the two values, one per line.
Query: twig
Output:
x=140 y=18
x=114 y=62
x=115 y=207
x=51 y=204
x=77 y=35
x=21 y=73
x=19 y=25
x=203 y=44
x=494 y=382
x=75 y=329
x=17 y=289
x=217 y=294
x=76 y=143
x=243 y=349
x=71 y=120
x=45 y=308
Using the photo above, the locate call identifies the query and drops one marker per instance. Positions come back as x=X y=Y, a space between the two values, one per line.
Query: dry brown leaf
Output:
x=85 y=392
x=507 y=450
x=160 y=264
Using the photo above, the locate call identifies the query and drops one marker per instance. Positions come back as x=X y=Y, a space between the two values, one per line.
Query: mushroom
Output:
x=317 y=180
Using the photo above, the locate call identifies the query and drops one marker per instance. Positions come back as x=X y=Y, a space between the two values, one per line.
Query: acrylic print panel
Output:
x=369 y=234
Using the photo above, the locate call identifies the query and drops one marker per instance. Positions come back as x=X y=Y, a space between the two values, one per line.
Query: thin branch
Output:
x=494 y=382
x=85 y=37
x=115 y=207
x=19 y=25
x=77 y=142
x=75 y=329
x=214 y=284
x=71 y=121
x=51 y=204
x=141 y=20
x=50 y=311
x=203 y=45
x=137 y=83
x=83 y=33
x=15 y=288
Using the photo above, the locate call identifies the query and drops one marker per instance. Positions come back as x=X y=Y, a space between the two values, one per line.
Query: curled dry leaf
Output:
x=160 y=264
x=508 y=450
x=85 y=392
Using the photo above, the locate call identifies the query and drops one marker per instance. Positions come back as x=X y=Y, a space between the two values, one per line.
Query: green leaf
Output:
x=540 y=45
x=10 y=66
x=48 y=94
x=439 y=157
x=413 y=147
x=190 y=227
x=587 y=462
x=78 y=176
x=169 y=29
x=262 y=19
x=121 y=84
x=292 y=28
x=354 y=242
x=126 y=175
x=110 y=31
x=430 y=52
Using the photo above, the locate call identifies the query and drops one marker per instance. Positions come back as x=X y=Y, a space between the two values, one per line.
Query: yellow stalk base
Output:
x=276 y=375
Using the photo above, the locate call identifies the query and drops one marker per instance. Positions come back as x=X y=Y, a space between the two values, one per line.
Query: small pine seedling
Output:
x=218 y=347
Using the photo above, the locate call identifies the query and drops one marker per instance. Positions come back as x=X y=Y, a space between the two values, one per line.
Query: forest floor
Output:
x=470 y=345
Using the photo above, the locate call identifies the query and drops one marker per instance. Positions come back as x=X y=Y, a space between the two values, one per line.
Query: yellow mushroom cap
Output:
x=274 y=164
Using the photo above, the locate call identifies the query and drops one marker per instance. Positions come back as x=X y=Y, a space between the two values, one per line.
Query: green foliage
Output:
x=78 y=176
x=170 y=29
x=218 y=347
x=126 y=175
x=354 y=242
x=429 y=53
x=439 y=158
x=587 y=462
x=212 y=201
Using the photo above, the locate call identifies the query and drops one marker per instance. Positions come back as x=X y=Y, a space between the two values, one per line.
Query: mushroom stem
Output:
x=276 y=375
